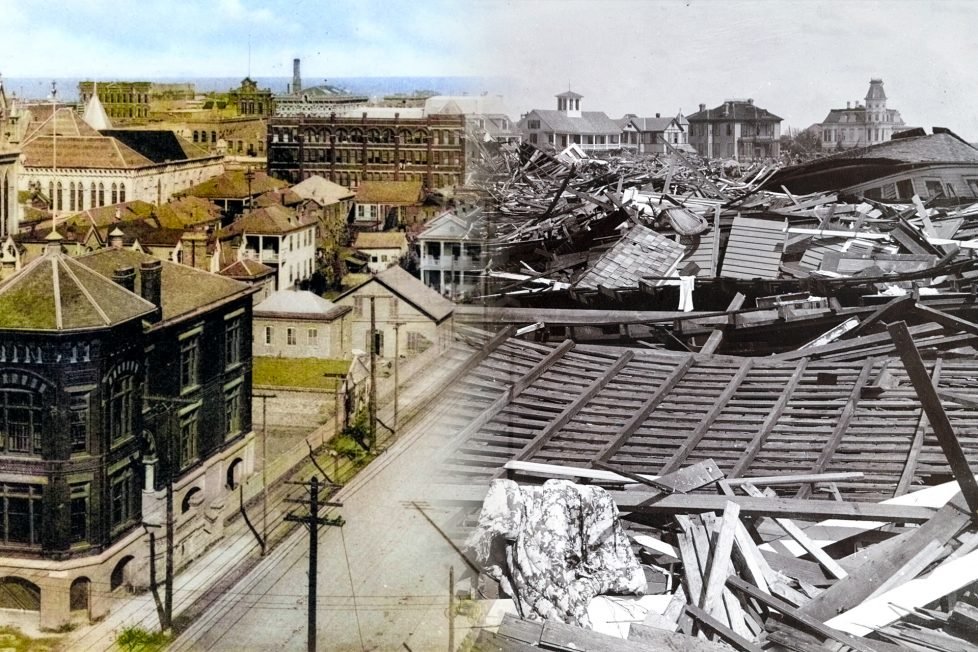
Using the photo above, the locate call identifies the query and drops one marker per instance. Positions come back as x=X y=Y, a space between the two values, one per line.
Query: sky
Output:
x=796 y=58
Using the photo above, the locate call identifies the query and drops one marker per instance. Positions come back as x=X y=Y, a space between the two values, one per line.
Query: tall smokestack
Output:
x=296 y=77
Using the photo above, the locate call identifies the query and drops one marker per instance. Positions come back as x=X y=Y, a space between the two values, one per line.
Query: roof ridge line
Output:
x=56 y=279
x=88 y=294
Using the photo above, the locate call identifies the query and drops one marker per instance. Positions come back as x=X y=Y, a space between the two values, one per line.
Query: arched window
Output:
x=115 y=194
x=122 y=397
x=71 y=196
x=190 y=500
x=92 y=197
x=59 y=202
x=51 y=193
x=81 y=196
x=122 y=193
x=196 y=136
x=101 y=194
x=213 y=136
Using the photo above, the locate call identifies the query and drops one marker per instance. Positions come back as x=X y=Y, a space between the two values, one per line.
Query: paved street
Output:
x=399 y=577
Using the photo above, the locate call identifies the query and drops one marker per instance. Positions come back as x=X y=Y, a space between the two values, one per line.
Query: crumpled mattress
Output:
x=554 y=547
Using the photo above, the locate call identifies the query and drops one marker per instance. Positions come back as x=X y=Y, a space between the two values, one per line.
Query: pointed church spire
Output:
x=95 y=115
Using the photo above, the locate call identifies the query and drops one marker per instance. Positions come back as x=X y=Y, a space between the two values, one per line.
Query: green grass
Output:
x=13 y=639
x=305 y=373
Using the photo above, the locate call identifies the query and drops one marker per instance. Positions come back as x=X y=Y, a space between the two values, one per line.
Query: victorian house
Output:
x=860 y=124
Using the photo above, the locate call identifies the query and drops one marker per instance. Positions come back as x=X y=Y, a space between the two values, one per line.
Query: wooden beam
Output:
x=637 y=419
x=716 y=337
x=769 y=422
x=796 y=616
x=935 y=413
x=796 y=533
x=715 y=253
x=718 y=565
x=696 y=436
x=568 y=413
x=888 y=607
x=508 y=396
x=910 y=467
x=889 y=309
x=841 y=425
x=644 y=502
x=946 y=320
x=705 y=621
x=884 y=560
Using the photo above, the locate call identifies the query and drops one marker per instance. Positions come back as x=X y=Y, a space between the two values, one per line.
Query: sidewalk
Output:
x=234 y=556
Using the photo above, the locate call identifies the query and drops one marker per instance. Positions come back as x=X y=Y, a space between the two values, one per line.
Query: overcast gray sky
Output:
x=796 y=58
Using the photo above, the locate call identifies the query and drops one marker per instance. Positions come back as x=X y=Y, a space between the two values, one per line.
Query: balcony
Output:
x=449 y=263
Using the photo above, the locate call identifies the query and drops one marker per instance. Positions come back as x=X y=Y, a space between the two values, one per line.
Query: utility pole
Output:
x=397 y=359
x=313 y=520
x=164 y=444
x=373 y=373
x=451 y=609
x=264 y=469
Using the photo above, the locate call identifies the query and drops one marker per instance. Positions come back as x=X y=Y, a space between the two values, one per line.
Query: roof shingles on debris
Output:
x=184 y=290
x=641 y=252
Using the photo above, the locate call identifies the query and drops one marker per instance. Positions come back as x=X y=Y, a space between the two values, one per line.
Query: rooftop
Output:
x=411 y=290
x=233 y=184
x=389 y=192
x=300 y=304
x=381 y=240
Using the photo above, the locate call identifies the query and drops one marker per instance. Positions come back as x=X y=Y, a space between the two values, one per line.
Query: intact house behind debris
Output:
x=593 y=131
x=736 y=129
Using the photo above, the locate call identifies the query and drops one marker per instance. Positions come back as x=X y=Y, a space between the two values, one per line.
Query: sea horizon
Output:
x=39 y=88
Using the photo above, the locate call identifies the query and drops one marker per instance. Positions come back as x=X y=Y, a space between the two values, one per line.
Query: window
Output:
x=122 y=193
x=20 y=421
x=729 y=129
x=313 y=337
x=268 y=335
x=417 y=343
x=121 y=408
x=232 y=409
x=188 y=438
x=972 y=186
x=101 y=194
x=232 y=342
x=115 y=194
x=78 y=513
x=290 y=336
x=378 y=342
x=21 y=505
x=78 y=422
x=934 y=187
x=92 y=197
x=122 y=498
x=190 y=362
x=358 y=306
x=904 y=189
x=71 y=196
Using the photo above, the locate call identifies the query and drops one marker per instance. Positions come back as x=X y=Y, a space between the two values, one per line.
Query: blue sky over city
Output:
x=797 y=58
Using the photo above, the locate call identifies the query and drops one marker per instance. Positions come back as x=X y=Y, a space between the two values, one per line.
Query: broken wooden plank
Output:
x=892 y=605
x=798 y=535
x=718 y=566
x=917 y=443
x=914 y=567
x=660 y=639
x=936 y=415
x=706 y=621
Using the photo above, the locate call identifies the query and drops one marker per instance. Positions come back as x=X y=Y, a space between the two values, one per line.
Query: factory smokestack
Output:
x=296 y=77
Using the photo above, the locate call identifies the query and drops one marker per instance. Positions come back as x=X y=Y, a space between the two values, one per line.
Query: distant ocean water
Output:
x=36 y=88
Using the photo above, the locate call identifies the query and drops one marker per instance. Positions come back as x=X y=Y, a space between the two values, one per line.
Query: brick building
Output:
x=377 y=145
x=117 y=372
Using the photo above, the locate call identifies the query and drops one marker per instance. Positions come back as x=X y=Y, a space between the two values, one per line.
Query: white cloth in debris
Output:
x=686 y=285
x=554 y=547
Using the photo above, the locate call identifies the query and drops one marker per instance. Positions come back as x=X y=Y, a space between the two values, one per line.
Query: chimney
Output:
x=750 y=100
x=848 y=105
x=702 y=107
x=125 y=276
x=195 y=251
x=657 y=115
x=296 y=77
x=151 y=272
x=115 y=238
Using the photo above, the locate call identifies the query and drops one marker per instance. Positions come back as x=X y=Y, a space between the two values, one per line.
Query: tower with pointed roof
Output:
x=9 y=155
x=859 y=124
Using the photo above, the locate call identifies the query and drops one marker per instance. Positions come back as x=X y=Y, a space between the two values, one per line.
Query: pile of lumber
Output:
x=754 y=575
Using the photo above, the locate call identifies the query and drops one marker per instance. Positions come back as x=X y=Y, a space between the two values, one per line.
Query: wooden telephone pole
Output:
x=313 y=520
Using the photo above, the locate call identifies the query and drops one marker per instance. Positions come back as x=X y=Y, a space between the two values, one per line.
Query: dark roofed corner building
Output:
x=592 y=131
x=87 y=347
x=737 y=129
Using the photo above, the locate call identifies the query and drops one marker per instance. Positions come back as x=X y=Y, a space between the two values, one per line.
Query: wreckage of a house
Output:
x=707 y=415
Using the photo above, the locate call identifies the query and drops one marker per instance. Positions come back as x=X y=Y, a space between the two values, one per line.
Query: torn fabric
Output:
x=554 y=547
